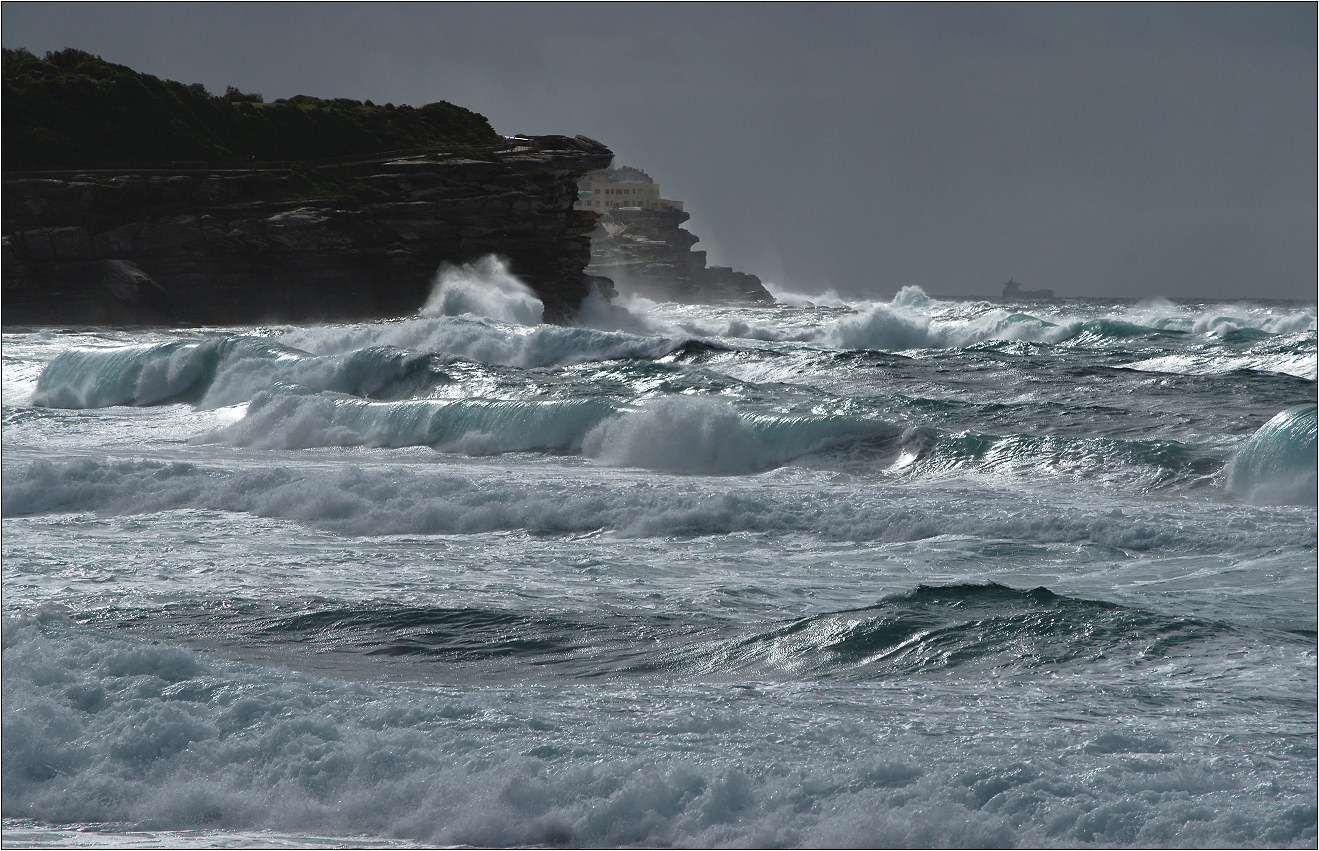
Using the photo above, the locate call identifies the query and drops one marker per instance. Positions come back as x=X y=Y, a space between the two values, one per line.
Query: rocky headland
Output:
x=645 y=250
x=352 y=240
x=133 y=200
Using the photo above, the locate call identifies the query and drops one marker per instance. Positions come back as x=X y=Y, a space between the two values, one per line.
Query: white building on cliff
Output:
x=621 y=188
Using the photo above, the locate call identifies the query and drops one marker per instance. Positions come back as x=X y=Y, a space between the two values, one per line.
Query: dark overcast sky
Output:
x=1135 y=150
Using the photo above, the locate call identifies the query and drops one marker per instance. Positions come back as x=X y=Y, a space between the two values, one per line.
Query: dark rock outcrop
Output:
x=349 y=240
x=646 y=251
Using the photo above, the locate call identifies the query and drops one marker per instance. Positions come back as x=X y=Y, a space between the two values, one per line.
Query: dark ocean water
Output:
x=918 y=572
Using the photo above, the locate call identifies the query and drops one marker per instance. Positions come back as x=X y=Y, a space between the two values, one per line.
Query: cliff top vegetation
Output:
x=70 y=110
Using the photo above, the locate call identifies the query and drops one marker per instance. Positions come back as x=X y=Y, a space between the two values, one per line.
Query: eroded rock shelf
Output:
x=352 y=240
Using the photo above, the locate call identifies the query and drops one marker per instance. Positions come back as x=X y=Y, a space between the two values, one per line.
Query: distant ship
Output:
x=1012 y=289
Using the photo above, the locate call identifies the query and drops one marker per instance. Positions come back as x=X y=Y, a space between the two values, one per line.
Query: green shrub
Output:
x=72 y=110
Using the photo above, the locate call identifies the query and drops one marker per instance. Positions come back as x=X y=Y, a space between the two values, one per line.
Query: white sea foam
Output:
x=684 y=434
x=248 y=370
x=826 y=298
x=883 y=327
x=485 y=341
x=296 y=418
x=637 y=315
x=678 y=435
x=1299 y=364
x=914 y=320
x=1217 y=323
x=902 y=325
x=912 y=296
x=396 y=500
x=628 y=313
x=689 y=434
x=484 y=289
x=199 y=639
x=108 y=730
x=361 y=359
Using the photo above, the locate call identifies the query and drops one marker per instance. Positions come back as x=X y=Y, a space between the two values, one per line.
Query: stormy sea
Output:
x=901 y=572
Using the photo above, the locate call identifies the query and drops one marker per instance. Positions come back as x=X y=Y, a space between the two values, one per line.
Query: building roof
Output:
x=626 y=174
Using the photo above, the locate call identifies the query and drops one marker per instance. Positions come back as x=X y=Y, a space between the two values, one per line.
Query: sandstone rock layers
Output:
x=646 y=251
x=349 y=240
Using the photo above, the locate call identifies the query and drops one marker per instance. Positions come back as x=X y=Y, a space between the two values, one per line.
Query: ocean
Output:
x=889 y=573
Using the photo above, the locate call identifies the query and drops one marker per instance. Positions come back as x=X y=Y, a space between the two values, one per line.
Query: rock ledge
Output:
x=342 y=241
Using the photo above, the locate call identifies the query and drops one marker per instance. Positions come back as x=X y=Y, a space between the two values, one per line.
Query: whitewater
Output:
x=837 y=572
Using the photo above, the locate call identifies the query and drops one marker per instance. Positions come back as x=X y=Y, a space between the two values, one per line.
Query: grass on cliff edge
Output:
x=71 y=110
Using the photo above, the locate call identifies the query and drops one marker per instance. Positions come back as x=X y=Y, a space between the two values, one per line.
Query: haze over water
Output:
x=909 y=572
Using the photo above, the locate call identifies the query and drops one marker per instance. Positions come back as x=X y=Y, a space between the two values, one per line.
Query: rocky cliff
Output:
x=352 y=239
x=648 y=252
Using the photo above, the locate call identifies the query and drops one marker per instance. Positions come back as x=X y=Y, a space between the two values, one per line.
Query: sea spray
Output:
x=883 y=327
x=912 y=296
x=690 y=434
x=486 y=341
x=905 y=324
x=681 y=435
x=397 y=358
x=486 y=289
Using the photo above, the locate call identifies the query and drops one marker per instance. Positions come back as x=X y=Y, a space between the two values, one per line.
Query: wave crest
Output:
x=1276 y=465
x=297 y=418
x=485 y=289
x=690 y=434
x=128 y=375
x=390 y=500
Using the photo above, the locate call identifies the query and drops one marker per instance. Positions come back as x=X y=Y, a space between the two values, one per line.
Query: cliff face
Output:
x=646 y=251
x=350 y=240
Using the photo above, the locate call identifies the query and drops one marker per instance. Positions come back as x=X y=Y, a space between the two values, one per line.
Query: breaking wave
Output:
x=680 y=434
x=388 y=360
x=898 y=326
x=484 y=289
x=385 y=500
x=227 y=371
x=296 y=418
x=688 y=434
x=1277 y=464
x=914 y=320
